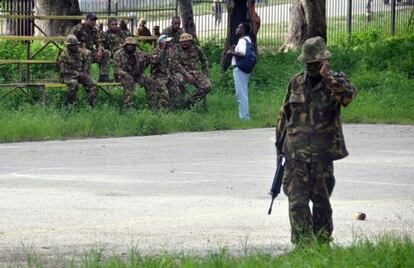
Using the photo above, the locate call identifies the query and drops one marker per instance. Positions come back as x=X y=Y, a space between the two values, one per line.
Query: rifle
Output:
x=277 y=180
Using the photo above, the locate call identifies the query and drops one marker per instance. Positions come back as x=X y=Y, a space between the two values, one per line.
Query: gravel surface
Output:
x=189 y=192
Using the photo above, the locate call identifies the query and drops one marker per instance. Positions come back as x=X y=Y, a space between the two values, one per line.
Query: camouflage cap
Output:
x=72 y=40
x=314 y=49
x=185 y=37
x=130 y=41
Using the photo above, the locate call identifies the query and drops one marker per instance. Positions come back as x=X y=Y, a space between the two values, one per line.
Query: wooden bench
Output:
x=42 y=86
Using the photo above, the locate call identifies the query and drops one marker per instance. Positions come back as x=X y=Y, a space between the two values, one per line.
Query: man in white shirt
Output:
x=241 y=79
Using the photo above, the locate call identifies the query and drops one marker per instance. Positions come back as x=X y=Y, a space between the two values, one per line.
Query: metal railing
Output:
x=344 y=17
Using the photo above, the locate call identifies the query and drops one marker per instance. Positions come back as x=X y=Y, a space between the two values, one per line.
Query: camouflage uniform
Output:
x=113 y=41
x=91 y=42
x=160 y=72
x=130 y=70
x=70 y=66
x=175 y=35
x=191 y=61
x=309 y=121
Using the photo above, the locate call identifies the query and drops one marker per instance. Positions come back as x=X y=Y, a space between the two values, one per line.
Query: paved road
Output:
x=189 y=191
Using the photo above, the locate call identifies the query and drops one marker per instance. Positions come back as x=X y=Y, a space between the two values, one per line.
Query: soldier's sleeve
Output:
x=75 y=31
x=118 y=68
x=105 y=40
x=99 y=41
x=85 y=64
x=204 y=62
x=176 y=65
x=63 y=67
x=342 y=89
x=282 y=120
x=157 y=56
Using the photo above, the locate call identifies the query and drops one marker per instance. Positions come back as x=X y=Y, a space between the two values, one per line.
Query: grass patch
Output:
x=388 y=251
x=380 y=70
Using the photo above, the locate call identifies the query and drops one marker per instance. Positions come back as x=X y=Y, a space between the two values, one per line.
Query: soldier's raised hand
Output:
x=324 y=71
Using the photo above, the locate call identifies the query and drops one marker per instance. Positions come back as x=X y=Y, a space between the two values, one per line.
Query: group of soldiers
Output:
x=175 y=63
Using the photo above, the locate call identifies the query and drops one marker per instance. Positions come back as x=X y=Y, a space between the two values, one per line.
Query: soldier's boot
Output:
x=92 y=94
x=103 y=78
x=128 y=96
x=71 y=96
x=203 y=88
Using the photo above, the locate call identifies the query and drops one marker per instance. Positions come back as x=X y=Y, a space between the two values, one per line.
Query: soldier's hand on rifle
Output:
x=82 y=75
x=189 y=78
x=98 y=55
x=324 y=71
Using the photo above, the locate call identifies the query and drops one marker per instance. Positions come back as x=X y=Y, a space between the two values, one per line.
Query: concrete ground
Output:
x=188 y=192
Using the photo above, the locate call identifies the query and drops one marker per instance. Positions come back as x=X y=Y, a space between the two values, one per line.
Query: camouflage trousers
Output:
x=175 y=92
x=157 y=94
x=73 y=85
x=201 y=83
x=304 y=182
x=103 y=63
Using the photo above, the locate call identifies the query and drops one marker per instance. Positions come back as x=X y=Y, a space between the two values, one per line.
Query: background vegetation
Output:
x=381 y=70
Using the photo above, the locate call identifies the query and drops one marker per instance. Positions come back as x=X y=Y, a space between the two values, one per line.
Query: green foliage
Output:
x=380 y=70
x=17 y=50
x=387 y=251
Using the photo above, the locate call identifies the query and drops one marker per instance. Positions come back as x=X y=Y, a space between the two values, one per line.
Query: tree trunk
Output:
x=308 y=19
x=239 y=11
x=186 y=10
x=56 y=8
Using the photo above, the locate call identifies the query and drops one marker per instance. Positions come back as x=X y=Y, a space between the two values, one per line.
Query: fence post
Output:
x=349 y=20
x=109 y=7
x=393 y=7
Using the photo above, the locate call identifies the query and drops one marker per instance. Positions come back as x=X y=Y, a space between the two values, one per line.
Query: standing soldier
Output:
x=74 y=70
x=174 y=30
x=309 y=136
x=129 y=67
x=113 y=38
x=191 y=66
x=92 y=45
x=160 y=71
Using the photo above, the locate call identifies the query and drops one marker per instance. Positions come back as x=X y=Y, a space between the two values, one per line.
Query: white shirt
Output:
x=240 y=48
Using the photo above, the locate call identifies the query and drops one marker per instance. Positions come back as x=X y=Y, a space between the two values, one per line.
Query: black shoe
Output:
x=103 y=78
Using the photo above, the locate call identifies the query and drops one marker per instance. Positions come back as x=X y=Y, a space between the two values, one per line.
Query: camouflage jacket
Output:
x=175 y=35
x=188 y=61
x=71 y=64
x=88 y=37
x=113 y=41
x=310 y=118
x=122 y=59
x=159 y=63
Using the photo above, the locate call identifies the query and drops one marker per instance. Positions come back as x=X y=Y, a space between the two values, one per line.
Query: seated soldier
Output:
x=90 y=41
x=129 y=65
x=191 y=67
x=156 y=31
x=74 y=70
x=113 y=38
x=160 y=71
x=174 y=30
x=142 y=30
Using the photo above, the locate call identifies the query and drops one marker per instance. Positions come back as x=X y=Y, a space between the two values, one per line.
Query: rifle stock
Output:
x=277 y=181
